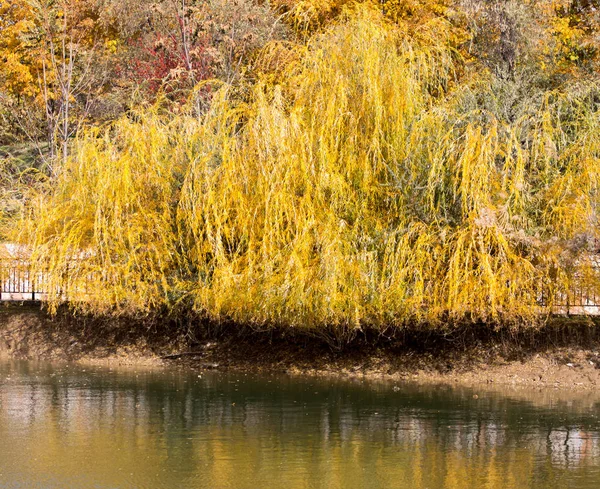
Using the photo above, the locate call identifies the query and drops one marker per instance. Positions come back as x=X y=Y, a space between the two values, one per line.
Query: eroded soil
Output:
x=566 y=356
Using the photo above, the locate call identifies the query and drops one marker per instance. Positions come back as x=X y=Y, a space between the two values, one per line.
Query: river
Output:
x=67 y=426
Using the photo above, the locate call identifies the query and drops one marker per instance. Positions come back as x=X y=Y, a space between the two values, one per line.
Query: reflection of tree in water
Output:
x=293 y=433
x=570 y=447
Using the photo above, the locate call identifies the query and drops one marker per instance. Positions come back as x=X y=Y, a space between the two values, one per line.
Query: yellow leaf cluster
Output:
x=357 y=193
x=17 y=58
x=574 y=28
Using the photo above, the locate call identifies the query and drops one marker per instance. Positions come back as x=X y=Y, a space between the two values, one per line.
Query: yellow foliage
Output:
x=353 y=194
x=17 y=69
x=307 y=16
x=574 y=27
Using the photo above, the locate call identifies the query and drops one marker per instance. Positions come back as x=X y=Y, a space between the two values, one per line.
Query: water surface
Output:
x=75 y=427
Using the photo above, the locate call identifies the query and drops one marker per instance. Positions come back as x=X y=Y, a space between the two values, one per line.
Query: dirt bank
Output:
x=564 y=354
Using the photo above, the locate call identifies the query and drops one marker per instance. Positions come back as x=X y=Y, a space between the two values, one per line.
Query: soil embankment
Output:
x=563 y=354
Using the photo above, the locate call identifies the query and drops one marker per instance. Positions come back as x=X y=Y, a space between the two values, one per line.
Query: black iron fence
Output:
x=578 y=302
x=19 y=283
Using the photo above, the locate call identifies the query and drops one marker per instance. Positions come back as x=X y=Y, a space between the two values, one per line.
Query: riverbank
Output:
x=564 y=354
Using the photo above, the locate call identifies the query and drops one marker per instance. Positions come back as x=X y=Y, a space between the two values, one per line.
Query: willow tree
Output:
x=372 y=186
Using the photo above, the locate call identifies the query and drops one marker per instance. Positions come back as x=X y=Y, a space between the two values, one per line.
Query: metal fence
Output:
x=577 y=302
x=19 y=283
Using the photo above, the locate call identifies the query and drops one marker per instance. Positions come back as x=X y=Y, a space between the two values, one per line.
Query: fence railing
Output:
x=578 y=302
x=19 y=283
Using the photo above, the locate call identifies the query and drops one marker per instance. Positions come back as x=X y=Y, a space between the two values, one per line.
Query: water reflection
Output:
x=80 y=428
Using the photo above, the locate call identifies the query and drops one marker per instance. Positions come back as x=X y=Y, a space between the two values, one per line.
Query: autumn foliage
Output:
x=361 y=165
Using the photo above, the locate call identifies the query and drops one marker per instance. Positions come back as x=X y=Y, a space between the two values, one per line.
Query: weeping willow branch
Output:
x=356 y=192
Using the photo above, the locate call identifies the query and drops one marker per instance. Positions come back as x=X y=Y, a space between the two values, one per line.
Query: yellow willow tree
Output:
x=108 y=239
x=368 y=189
